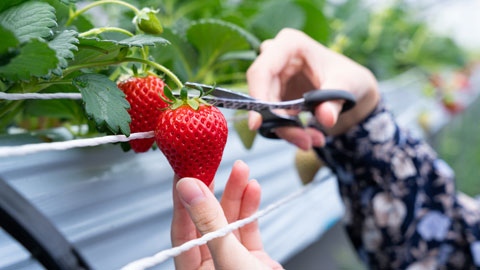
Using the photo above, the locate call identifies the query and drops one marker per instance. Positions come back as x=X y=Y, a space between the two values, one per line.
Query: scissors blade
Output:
x=224 y=98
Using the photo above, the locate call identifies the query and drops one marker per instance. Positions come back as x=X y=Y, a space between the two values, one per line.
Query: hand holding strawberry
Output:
x=192 y=135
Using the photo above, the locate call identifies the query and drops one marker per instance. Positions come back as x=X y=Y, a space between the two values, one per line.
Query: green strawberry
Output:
x=307 y=164
x=148 y=22
x=246 y=135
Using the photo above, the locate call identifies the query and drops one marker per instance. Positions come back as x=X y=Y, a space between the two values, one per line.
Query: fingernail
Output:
x=189 y=191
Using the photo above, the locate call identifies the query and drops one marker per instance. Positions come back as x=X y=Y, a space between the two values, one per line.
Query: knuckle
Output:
x=287 y=32
x=207 y=221
x=252 y=71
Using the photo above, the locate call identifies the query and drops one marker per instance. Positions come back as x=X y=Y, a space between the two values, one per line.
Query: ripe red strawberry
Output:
x=192 y=135
x=143 y=94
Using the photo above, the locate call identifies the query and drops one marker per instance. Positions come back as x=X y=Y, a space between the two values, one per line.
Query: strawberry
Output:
x=192 y=135
x=246 y=135
x=143 y=94
x=307 y=164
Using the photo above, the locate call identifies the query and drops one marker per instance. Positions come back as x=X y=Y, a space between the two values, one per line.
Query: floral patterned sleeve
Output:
x=402 y=209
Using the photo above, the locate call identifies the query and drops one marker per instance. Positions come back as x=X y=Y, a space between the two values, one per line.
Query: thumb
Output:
x=201 y=205
x=208 y=216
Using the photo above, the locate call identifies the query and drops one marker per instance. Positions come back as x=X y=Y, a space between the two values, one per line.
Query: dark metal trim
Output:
x=36 y=233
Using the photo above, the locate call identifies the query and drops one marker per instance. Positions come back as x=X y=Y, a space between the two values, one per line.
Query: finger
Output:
x=317 y=137
x=296 y=136
x=250 y=233
x=232 y=196
x=204 y=252
x=183 y=230
x=207 y=215
x=263 y=75
x=265 y=45
x=327 y=113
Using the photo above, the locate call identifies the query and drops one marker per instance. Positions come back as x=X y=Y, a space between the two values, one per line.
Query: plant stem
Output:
x=56 y=82
x=127 y=59
x=102 y=2
x=96 y=31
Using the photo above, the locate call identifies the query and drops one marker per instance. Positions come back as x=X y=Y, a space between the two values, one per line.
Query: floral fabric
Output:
x=402 y=209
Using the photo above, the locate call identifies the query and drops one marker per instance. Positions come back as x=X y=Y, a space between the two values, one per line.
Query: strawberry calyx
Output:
x=191 y=101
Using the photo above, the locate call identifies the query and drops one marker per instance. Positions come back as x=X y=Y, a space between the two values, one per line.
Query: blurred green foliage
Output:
x=389 y=41
x=459 y=145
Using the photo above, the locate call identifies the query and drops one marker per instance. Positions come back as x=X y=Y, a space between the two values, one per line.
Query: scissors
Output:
x=224 y=98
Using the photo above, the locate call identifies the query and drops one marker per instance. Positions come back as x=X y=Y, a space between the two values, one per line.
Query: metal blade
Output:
x=224 y=98
x=254 y=105
x=219 y=91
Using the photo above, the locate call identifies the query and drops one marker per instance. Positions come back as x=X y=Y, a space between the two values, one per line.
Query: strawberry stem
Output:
x=75 y=14
x=165 y=70
x=97 y=31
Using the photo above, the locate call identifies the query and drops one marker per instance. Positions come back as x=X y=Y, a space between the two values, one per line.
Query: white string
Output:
x=27 y=149
x=40 y=96
x=163 y=255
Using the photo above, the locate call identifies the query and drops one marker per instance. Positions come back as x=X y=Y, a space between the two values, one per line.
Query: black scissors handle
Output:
x=313 y=98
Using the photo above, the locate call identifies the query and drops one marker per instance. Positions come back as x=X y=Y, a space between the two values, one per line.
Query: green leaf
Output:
x=240 y=55
x=29 y=20
x=177 y=104
x=82 y=23
x=36 y=58
x=213 y=38
x=56 y=108
x=104 y=102
x=142 y=41
x=64 y=43
x=193 y=103
x=68 y=2
x=95 y=49
x=180 y=57
x=8 y=40
x=168 y=94
x=316 y=25
x=10 y=3
x=275 y=16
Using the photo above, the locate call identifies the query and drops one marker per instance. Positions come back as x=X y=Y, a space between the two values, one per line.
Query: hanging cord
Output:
x=162 y=256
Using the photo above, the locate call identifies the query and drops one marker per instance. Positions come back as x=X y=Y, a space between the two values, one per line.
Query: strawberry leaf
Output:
x=181 y=56
x=68 y=2
x=142 y=41
x=168 y=93
x=29 y=20
x=64 y=43
x=96 y=49
x=36 y=58
x=10 y=3
x=8 y=40
x=104 y=102
x=275 y=16
x=213 y=38
x=193 y=103
x=177 y=104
